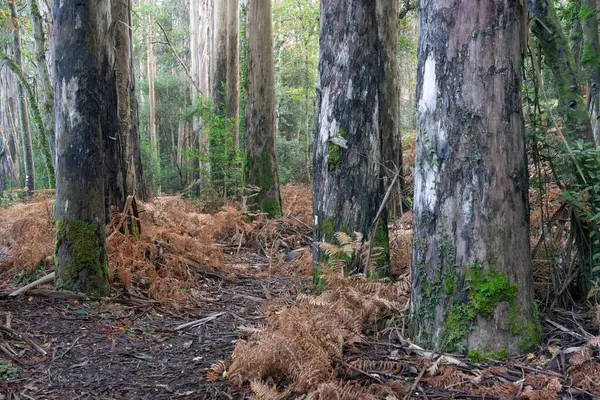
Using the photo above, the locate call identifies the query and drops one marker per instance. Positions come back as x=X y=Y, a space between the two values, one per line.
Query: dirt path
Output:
x=111 y=351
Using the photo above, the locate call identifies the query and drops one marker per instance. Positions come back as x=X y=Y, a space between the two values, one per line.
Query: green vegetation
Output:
x=497 y=355
x=8 y=371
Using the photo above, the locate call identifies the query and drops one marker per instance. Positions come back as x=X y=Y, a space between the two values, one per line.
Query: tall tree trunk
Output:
x=590 y=60
x=471 y=270
x=23 y=112
x=261 y=156
x=347 y=189
x=233 y=69
x=127 y=105
x=8 y=124
x=219 y=54
x=80 y=253
x=152 y=126
x=389 y=97
x=47 y=90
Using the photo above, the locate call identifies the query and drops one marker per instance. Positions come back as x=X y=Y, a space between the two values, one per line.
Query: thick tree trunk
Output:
x=261 y=156
x=590 y=60
x=81 y=262
x=389 y=97
x=347 y=189
x=471 y=270
x=127 y=104
x=47 y=90
x=23 y=112
x=233 y=69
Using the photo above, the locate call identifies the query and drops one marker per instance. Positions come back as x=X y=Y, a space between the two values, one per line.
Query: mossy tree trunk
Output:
x=79 y=69
x=128 y=132
x=572 y=107
x=8 y=124
x=260 y=165
x=471 y=270
x=46 y=88
x=23 y=111
x=348 y=145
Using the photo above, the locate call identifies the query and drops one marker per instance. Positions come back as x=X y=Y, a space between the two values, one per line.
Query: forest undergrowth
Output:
x=348 y=342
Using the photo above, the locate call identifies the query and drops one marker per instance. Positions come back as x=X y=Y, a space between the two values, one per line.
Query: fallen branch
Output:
x=23 y=337
x=199 y=322
x=46 y=279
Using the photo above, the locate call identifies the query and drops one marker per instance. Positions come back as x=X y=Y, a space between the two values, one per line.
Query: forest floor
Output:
x=258 y=331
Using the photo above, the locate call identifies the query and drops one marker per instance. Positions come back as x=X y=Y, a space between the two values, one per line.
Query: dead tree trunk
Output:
x=471 y=270
x=347 y=189
x=260 y=167
x=80 y=253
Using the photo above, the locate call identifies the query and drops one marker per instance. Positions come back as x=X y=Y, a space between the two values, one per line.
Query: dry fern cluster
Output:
x=303 y=343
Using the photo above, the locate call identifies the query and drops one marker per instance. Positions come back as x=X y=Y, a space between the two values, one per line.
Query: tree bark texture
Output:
x=348 y=153
x=46 y=88
x=233 y=68
x=389 y=97
x=23 y=112
x=127 y=105
x=79 y=59
x=471 y=271
x=260 y=166
x=219 y=54
x=9 y=123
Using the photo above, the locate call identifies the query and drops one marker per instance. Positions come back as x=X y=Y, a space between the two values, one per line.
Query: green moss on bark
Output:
x=484 y=290
x=83 y=266
x=268 y=198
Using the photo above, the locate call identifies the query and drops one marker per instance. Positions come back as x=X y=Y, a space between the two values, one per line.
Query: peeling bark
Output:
x=233 y=68
x=471 y=269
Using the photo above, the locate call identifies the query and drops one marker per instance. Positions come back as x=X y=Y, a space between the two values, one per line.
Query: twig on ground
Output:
x=23 y=337
x=199 y=322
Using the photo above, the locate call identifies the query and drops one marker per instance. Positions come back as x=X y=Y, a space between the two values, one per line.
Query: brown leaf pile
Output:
x=303 y=342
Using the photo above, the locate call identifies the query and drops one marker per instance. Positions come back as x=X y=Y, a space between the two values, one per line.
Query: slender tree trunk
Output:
x=233 y=69
x=558 y=58
x=261 y=156
x=389 y=97
x=471 y=270
x=79 y=60
x=347 y=189
x=47 y=90
x=126 y=99
x=152 y=126
x=23 y=112
x=591 y=61
x=576 y=37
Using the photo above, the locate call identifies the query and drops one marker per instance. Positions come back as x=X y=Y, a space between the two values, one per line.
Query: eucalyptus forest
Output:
x=299 y=199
